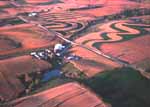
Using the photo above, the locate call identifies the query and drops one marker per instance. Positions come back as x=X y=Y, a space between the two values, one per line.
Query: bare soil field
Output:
x=70 y=94
x=119 y=39
x=130 y=51
x=24 y=37
x=3 y=3
x=65 y=22
x=106 y=6
x=91 y=63
x=104 y=34
x=10 y=71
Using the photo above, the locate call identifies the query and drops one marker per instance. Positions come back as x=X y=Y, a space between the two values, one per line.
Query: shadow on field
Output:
x=121 y=87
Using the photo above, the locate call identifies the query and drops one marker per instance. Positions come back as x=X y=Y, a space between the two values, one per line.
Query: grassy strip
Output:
x=6 y=6
x=47 y=3
x=15 y=22
x=21 y=1
x=144 y=64
x=124 y=36
x=86 y=7
x=104 y=36
x=72 y=72
x=51 y=84
x=11 y=21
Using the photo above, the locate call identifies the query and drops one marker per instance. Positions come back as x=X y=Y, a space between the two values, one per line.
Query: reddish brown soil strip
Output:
x=109 y=5
x=91 y=63
x=132 y=51
x=70 y=94
x=3 y=3
x=29 y=37
x=11 y=69
x=115 y=36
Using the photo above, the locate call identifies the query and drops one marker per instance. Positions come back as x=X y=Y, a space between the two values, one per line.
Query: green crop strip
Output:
x=124 y=36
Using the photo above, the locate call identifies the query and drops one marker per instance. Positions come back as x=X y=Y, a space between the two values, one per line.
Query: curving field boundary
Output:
x=117 y=32
x=66 y=23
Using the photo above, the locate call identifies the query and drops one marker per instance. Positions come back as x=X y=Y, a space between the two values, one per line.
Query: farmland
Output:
x=105 y=53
